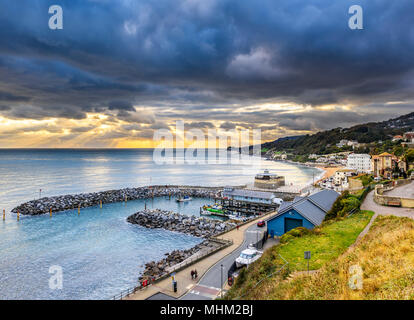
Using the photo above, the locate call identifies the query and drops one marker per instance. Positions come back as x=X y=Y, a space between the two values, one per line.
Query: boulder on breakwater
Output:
x=156 y=269
x=195 y=226
x=68 y=202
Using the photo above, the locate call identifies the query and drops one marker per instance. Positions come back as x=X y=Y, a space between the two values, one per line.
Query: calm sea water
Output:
x=99 y=252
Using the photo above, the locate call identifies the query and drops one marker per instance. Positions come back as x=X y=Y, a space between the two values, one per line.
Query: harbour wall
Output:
x=83 y=200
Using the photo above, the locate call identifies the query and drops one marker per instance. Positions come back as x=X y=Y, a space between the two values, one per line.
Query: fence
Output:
x=193 y=259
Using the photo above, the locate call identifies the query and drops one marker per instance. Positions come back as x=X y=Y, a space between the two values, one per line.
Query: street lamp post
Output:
x=221 y=284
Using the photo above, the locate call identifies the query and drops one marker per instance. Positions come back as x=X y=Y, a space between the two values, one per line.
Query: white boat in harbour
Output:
x=238 y=217
x=184 y=199
x=248 y=256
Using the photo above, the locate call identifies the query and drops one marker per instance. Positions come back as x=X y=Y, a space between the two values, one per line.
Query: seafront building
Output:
x=305 y=212
x=361 y=162
x=252 y=196
x=382 y=165
x=268 y=181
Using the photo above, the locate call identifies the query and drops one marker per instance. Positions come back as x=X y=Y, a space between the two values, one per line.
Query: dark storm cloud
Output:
x=186 y=57
x=228 y=125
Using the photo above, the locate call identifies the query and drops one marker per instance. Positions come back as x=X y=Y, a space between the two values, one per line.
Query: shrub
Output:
x=286 y=238
x=366 y=180
x=241 y=278
x=343 y=205
x=294 y=233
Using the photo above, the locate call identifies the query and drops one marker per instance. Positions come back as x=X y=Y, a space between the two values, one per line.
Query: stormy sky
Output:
x=121 y=69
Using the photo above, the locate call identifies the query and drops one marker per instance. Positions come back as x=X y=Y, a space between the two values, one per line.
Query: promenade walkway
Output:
x=370 y=204
x=405 y=191
x=164 y=290
x=209 y=286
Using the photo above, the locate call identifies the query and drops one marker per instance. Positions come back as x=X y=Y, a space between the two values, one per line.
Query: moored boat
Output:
x=205 y=213
x=184 y=199
x=248 y=256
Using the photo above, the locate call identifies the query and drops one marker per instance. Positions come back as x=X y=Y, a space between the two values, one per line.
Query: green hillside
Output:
x=324 y=142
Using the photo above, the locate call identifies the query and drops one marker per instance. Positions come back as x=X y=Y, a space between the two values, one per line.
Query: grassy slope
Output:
x=326 y=243
x=334 y=238
x=386 y=256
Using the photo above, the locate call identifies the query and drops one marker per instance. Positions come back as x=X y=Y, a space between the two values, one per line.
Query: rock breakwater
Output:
x=195 y=226
x=163 y=267
x=68 y=202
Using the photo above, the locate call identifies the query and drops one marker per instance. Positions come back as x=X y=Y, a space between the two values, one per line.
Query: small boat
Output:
x=248 y=256
x=237 y=217
x=184 y=199
x=214 y=208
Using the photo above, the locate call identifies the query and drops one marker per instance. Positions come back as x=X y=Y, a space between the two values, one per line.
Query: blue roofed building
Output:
x=305 y=212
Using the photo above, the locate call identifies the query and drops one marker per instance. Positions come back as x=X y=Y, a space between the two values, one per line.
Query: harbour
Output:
x=100 y=252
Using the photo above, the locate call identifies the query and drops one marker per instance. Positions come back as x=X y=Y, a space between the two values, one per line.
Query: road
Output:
x=406 y=191
x=209 y=286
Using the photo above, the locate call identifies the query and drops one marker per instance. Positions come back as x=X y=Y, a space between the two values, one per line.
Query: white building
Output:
x=342 y=143
x=361 y=162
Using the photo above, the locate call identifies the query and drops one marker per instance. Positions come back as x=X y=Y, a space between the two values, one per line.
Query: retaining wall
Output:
x=392 y=201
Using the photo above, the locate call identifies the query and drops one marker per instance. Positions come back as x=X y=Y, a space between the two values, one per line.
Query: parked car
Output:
x=261 y=224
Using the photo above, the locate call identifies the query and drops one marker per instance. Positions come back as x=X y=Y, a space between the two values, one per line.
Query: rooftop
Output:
x=251 y=194
x=313 y=207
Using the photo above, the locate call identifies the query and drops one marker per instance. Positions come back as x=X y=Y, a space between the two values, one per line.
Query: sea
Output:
x=98 y=254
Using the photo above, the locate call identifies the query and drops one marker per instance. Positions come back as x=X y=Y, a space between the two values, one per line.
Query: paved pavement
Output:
x=186 y=284
x=406 y=191
x=209 y=286
x=369 y=204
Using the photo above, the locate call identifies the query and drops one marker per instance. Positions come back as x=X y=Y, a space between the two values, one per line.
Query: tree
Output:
x=409 y=155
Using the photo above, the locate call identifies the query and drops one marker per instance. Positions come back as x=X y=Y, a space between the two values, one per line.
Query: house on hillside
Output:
x=397 y=138
x=305 y=212
x=409 y=136
x=382 y=164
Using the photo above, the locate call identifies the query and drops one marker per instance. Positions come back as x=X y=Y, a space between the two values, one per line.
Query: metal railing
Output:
x=187 y=262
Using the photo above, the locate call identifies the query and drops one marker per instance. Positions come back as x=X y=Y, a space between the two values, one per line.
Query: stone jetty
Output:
x=156 y=269
x=195 y=226
x=68 y=202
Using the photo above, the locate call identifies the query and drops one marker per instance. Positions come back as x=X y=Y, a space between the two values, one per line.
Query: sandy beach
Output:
x=329 y=171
